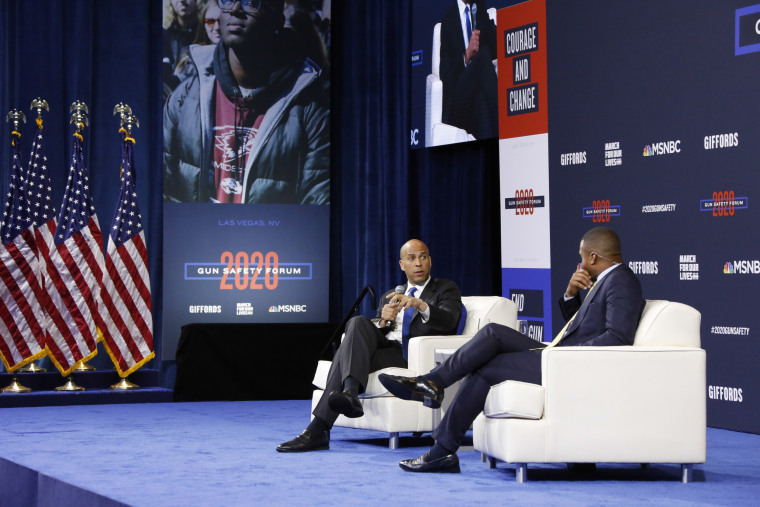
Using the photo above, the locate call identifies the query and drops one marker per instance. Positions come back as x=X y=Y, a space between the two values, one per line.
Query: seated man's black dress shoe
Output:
x=449 y=464
x=306 y=441
x=345 y=403
x=412 y=388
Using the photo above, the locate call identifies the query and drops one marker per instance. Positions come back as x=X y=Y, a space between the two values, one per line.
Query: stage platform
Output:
x=223 y=453
x=96 y=384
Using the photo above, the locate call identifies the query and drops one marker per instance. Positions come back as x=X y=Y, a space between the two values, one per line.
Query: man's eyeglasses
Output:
x=249 y=6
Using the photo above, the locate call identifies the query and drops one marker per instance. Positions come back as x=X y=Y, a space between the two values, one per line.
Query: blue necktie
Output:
x=408 y=314
x=469 y=25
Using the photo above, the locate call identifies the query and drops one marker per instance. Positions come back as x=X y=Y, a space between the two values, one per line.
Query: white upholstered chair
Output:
x=436 y=132
x=630 y=404
x=383 y=411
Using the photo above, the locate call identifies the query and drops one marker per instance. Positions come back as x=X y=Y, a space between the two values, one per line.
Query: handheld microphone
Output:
x=474 y=18
x=400 y=289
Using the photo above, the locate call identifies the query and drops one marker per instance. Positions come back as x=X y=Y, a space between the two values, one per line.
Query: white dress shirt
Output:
x=396 y=333
x=463 y=20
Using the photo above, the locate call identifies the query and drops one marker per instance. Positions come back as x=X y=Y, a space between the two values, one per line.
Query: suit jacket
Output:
x=445 y=302
x=610 y=313
x=453 y=47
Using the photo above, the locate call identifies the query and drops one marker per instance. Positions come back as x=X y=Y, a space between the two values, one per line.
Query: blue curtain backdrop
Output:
x=106 y=51
x=101 y=53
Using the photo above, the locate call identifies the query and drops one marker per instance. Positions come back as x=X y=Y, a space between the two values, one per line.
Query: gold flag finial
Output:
x=131 y=121
x=123 y=110
x=127 y=119
x=15 y=117
x=39 y=104
x=79 y=113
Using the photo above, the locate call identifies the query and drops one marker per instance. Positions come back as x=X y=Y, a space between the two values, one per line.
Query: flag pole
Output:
x=79 y=119
x=83 y=366
x=39 y=104
x=15 y=386
x=69 y=385
x=32 y=368
x=126 y=121
x=124 y=385
x=15 y=117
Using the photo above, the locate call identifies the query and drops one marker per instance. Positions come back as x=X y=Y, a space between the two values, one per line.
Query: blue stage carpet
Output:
x=223 y=453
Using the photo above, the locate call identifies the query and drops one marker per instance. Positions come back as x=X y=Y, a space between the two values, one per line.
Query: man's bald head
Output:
x=413 y=244
x=415 y=261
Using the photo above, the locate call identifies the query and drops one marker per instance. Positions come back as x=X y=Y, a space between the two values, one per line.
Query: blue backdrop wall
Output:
x=664 y=110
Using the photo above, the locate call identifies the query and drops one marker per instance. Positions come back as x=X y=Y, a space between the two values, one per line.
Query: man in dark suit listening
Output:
x=424 y=306
x=608 y=315
x=468 y=47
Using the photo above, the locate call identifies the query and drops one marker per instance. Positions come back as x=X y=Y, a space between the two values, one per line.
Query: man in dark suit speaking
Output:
x=468 y=47
x=424 y=306
x=608 y=315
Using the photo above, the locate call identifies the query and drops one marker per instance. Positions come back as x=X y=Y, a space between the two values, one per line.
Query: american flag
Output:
x=21 y=314
x=41 y=213
x=75 y=270
x=128 y=335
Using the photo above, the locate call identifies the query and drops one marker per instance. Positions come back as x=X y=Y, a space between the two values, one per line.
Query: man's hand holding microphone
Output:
x=399 y=302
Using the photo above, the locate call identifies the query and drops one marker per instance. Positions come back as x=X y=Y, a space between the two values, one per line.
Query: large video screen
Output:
x=246 y=163
x=454 y=76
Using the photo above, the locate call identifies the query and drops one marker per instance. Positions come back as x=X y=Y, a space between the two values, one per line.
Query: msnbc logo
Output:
x=748 y=267
x=662 y=148
x=287 y=309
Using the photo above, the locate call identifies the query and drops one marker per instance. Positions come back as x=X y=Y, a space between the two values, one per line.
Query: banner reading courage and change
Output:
x=524 y=165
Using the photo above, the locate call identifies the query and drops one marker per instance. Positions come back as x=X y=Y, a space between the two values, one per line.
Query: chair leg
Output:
x=393 y=440
x=686 y=470
x=521 y=472
x=483 y=457
x=491 y=462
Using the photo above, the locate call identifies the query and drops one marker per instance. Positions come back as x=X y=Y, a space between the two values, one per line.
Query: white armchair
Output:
x=383 y=411
x=640 y=404
x=438 y=133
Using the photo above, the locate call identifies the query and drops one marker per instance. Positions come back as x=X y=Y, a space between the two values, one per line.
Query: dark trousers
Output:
x=495 y=354
x=473 y=101
x=363 y=350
